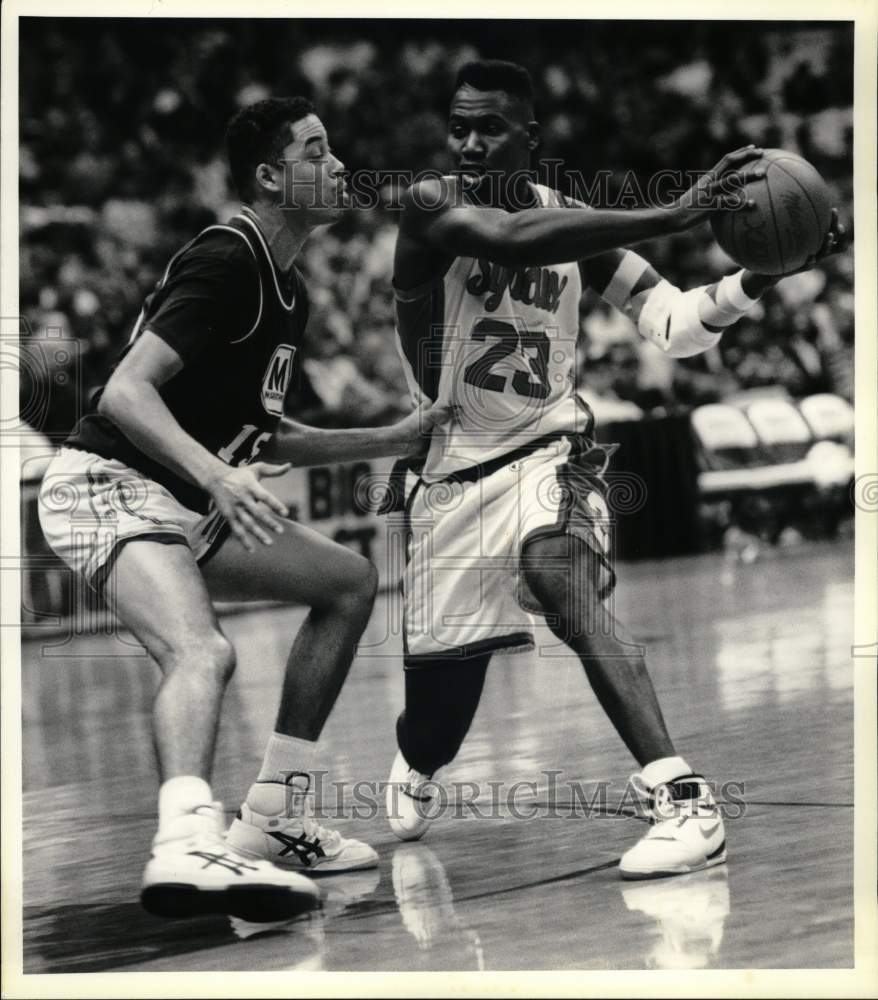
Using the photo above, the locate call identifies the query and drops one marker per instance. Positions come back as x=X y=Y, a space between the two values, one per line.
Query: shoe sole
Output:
x=717 y=858
x=259 y=903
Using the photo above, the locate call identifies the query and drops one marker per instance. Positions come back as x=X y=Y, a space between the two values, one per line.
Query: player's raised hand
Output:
x=721 y=187
x=413 y=432
x=247 y=505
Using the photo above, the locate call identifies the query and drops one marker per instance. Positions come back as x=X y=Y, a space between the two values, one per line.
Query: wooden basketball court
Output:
x=753 y=667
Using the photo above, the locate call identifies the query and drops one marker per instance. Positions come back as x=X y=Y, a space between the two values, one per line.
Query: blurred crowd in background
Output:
x=121 y=126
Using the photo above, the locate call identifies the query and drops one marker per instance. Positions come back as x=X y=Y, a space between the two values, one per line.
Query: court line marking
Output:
x=378 y=909
x=806 y=805
x=568 y=876
x=623 y=814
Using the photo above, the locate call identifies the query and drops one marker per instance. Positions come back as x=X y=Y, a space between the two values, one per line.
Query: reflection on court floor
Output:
x=753 y=667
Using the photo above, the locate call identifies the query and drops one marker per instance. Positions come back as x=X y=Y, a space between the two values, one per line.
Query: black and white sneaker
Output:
x=293 y=839
x=687 y=832
x=194 y=871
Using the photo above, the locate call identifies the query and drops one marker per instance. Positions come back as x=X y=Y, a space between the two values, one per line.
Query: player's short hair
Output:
x=496 y=74
x=258 y=134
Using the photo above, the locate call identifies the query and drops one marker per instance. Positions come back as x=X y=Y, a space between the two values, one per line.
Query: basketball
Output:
x=789 y=221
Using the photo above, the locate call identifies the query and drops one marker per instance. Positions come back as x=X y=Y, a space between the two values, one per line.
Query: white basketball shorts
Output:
x=464 y=591
x=89 y=507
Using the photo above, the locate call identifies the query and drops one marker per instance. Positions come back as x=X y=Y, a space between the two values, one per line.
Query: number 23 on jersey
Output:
x=507 y=340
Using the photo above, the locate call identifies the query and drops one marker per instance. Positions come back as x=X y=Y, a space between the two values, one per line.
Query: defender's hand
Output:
x=721 y=187
x=413 y=432
x=246 y=504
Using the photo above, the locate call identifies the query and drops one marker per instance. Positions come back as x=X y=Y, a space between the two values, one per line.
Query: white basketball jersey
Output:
x=500 y=344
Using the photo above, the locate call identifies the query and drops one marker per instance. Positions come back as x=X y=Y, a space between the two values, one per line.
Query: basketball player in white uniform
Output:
x=506 y=516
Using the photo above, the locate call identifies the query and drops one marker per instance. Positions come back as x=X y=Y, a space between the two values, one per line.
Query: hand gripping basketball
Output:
x=720 y=188
x=788 y=223
x=835 y=241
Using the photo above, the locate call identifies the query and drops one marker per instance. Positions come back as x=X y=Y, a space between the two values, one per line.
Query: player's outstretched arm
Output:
x=301 y=445
x=683 y=323
x=434 y=217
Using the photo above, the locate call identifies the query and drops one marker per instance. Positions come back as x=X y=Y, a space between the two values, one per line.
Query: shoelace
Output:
x=416 y=781
x=212 y=816
x=311 y=828
x=213 y=834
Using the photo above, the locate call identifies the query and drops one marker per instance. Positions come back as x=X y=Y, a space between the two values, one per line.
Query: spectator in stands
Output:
x=117 y=169
x=599 y=377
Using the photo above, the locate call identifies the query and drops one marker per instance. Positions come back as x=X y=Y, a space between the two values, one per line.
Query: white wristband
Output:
x=626 y=276
x=731 y=293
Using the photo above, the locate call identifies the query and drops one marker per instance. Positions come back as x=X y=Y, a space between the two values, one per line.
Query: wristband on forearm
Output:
x=724 y=303
x=680 y=323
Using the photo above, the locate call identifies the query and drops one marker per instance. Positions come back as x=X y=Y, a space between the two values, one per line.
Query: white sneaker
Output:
x=687 y=833
x=291 y=838
x=408 y=800
x=193 y=871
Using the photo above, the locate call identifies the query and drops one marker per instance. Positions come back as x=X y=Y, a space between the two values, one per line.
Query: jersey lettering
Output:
x=533 y=286
x=277 y=378
x=534 y=347
x=235 y=452
x=511 y=333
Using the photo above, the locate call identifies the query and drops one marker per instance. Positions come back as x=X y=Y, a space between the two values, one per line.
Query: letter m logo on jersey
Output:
x=277 y=378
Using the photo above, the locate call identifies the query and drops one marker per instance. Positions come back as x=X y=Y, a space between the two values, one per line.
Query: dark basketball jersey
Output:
x=237 y=323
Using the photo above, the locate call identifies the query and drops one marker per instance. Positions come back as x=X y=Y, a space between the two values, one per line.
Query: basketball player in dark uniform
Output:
x=161 y=498
x=488 y=275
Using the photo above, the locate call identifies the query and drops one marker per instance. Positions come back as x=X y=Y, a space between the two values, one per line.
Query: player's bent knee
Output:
x=561 y=569
x=222 y=656
x=212 y=655
x=573 y=608
x=359 y=585
x=548 y=585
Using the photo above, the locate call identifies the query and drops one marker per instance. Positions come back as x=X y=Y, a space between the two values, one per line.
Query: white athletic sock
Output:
x=659 y=772
x=180 y=795
x=284 y=755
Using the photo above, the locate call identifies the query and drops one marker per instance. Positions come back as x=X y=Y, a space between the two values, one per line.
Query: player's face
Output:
x=487 y=131
x=313 y=177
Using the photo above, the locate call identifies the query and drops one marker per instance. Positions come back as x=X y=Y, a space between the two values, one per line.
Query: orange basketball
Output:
x=789 y=221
